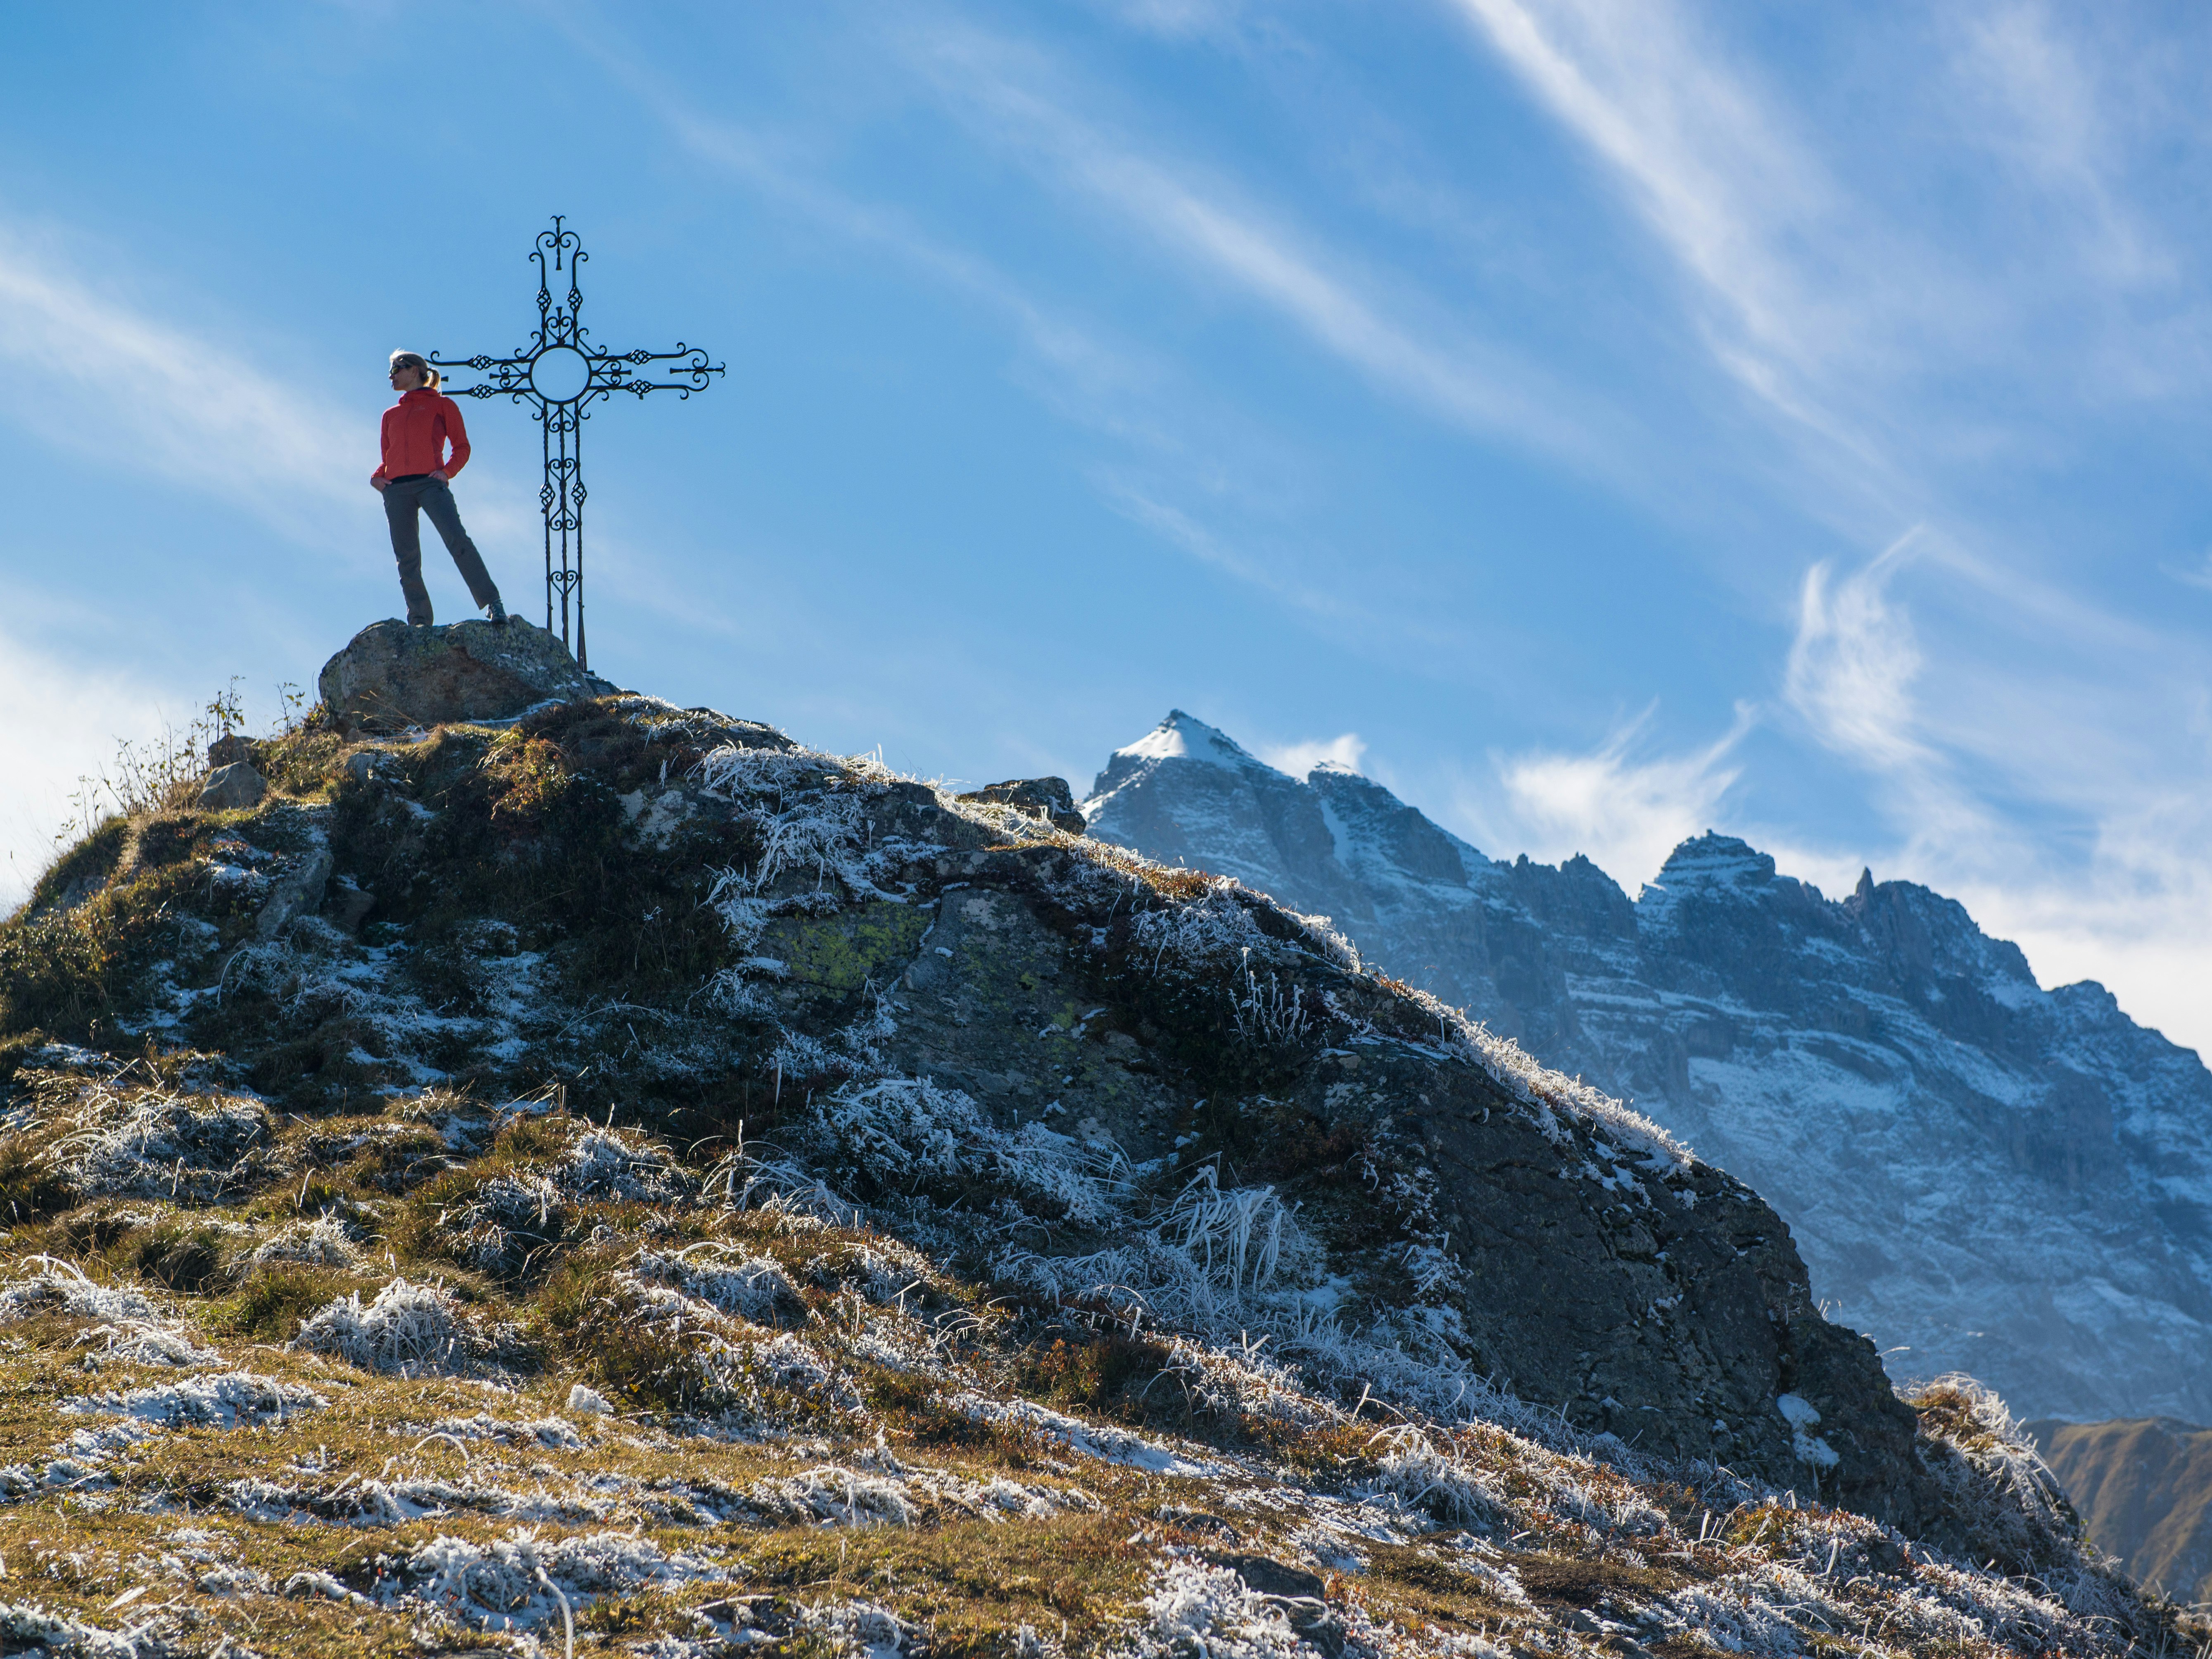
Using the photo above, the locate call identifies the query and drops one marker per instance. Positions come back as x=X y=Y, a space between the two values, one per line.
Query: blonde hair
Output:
x=415 y=359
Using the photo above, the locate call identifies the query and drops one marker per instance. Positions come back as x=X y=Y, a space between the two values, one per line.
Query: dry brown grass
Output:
x=399 y=1178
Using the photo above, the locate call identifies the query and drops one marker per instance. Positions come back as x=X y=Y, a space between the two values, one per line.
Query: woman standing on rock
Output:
x=413 y=477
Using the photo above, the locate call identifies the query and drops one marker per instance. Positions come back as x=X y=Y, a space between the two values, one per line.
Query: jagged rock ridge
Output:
x=1985 y=1176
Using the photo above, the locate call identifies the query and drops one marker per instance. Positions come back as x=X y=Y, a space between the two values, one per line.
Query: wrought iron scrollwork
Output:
x=560 y=375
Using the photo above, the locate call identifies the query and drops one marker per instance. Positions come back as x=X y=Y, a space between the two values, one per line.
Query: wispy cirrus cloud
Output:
x=1402 y=343
x=1853 y=663
x=2045 y=111
x=90 y=370
x=1714 y=172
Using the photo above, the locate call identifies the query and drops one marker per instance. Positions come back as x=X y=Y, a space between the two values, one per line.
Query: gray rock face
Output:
x=233 y=788
x=1985 y=1176
x=1664 y=1305
x=392 y=676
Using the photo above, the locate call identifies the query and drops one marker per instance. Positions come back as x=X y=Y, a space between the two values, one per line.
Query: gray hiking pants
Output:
x=404 y=499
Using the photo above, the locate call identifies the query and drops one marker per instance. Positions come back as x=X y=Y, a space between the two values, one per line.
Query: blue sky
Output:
x=1601 y=422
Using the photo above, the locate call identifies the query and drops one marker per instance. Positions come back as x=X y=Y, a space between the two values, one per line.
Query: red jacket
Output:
x=416 y=431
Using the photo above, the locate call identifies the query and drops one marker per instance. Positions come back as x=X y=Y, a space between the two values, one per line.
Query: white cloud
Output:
x=1623 y=811
x=2045 y=797
x=1410 y=350
x=2045 y=111
x=1714 y=174
x=85 y=369
x=1299 y=758
x=1853 y=663
x=65 y=719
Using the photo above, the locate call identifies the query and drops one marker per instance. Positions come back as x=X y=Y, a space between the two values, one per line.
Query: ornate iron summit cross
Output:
x=561 y=374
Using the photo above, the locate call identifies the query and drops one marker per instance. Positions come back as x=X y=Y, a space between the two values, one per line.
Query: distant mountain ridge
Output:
x=2144 y=1489
x=1982 y=1174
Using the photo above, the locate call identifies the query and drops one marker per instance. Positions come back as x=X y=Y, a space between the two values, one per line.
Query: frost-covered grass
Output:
x=349 y=1489
x=407 y=1328
x=111 y=1137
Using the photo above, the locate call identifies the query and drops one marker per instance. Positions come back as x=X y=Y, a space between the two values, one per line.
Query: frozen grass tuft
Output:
x=510 y=1583
x=220 y=1402
x=155 y=1344
x=510 y=1220
x=620 y=1163
x=1197 y=1609
x=910 y=1135
x=1993 y=1473
x=1243 y=1383
x=323 y=1242
x=858 y=1630
x=883 y=1270
x=831 y=1496
x=27 y=1627
x=58 y=1286
x=112 y=1141
x=1455 y=1491
x=413 y=1330
x=1236 y=1238
x=727 y=1279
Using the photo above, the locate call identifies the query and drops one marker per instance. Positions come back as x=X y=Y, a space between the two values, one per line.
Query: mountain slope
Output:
x=1985 y=1176
x=2144 y=1489
x=620 y=1170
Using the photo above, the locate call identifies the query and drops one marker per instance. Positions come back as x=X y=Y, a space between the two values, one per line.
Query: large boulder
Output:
x=392 y=676
x=233 y=788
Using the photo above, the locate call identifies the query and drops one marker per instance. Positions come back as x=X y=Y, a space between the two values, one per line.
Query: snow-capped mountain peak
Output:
x=1984 y=1174
x=1185 y=737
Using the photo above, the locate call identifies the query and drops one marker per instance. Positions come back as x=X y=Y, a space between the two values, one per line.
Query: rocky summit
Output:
x=611 y=1178
x=1988 y=1177
x=392 y=678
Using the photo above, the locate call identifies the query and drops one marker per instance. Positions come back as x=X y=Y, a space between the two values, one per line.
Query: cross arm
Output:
x=510 y=375
x=688 y=370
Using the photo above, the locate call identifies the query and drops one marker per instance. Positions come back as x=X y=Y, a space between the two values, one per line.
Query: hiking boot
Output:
x=496 y=613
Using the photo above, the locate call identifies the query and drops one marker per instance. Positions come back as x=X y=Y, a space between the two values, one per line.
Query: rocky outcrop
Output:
x=1960 y=1152
x=1660 y=1303
x=2144 y=1487
x=392 y=678
x=1049 y=799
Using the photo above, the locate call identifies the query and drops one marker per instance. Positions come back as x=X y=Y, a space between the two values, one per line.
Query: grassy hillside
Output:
x=623 y=1182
